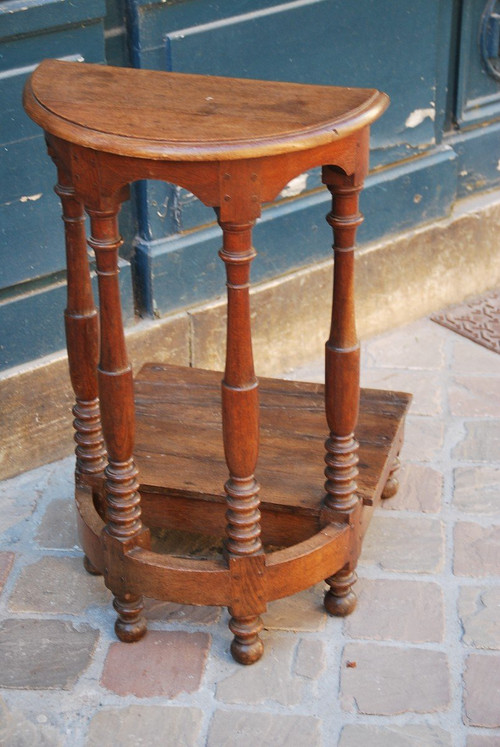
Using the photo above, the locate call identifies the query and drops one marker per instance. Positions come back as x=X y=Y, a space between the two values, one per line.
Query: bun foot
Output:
x=392 y=485
x=246 y=647
x=340 y=600
x=131 y=624
x=90 y=568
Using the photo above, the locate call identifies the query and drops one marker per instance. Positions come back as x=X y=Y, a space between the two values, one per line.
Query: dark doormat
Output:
x=479 y=320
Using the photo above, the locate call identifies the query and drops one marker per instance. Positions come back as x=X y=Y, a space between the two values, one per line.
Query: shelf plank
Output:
x=180 y=454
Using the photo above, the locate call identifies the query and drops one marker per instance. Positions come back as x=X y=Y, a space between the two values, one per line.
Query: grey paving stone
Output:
x=58 y=526
x=387 y=680
x=154 y=726
x=169 y=611
x=423 y=439
x=474 y=396
x=16 y=730
x=420 y=489
x=269 y=679
x=477 y=550
x=18 y=499
x=419 y=345
x=57 y=585
x=426 y=387
x=405 y=544
x=6 y=560
x=310 y=660
x=243 y=729
x=397 y=610
x=479 y=610
x=477 y=489
x=302 y=611
x=483 y=740
x=409 y=735
x=471 y=358
x=481 y=688
x=163 y=663
x=481 y=442
x=44 y=654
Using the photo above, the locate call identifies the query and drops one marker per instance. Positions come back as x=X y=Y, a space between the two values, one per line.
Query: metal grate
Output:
x=479 y=320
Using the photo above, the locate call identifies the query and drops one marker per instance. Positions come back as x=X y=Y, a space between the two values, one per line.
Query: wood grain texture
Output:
x=179 y=445
x=177 y=116
x=234 y=144
x=82 y=332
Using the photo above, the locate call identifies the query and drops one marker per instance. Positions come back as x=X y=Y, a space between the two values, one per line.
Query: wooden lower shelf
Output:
x=180 y=456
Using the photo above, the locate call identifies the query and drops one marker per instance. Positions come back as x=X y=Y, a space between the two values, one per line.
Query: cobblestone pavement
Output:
x=418 y=663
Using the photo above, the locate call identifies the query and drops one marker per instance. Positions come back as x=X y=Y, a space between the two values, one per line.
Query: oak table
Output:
x=156 y=453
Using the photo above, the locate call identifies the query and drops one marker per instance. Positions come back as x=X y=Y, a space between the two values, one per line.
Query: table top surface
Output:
x=177 y=116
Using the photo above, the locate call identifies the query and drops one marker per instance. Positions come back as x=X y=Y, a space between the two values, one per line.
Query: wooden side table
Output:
x=163 y=462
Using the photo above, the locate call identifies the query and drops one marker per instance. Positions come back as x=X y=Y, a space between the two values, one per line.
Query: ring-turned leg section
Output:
x=124 y=528
x=82 y=339
x=340 y=600
x=240 y=425
x=342 y=382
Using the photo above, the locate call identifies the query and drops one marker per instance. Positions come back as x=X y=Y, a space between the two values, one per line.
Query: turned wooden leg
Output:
x=342 y=379
x=82 y=335
x=340 y=600
x=391 y=487
x=240 y=421
x=90 y=568
x=124 y=528
x=82 y=339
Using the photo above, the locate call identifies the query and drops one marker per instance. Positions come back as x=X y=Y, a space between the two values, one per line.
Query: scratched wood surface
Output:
x=149 y=113
x=179 y=450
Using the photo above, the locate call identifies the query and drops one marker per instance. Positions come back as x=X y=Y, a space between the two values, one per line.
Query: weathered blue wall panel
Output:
x=329 y=42
x=478 y=92
x=478 y=154
x=36 y=318
x=32 y=257
x=294 y=233
x=439 y=140
x=402 y=48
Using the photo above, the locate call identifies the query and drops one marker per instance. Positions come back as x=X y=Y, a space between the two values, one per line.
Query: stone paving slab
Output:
x=424 y=439
x=397 y=610
x=480 y=443
x=241 y=729
x=411 y=735
x=388 y=680
x=154 y=726
x=425 y=386
x=6 y=560
x=420 y=489
x=16 y=730
x=482 y=686
x=477 y=489
x=58 y=526
x=418 y=346
x=483 y=740
x=57 y=585
x=472 y=396
x=418 y=662
x=477 y=550
x=302 y=611
x=467 y=360
x=479 y=610
x=272 y=679
x=175 y=664
x=405 y=544
x=44 y=654
x=157 y=611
